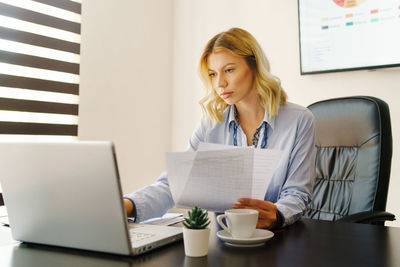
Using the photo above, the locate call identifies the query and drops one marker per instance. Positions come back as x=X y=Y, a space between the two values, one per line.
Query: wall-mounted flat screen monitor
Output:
x=340 y=35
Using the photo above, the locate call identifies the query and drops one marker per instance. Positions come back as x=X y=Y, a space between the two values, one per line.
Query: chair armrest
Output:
x=368 y=217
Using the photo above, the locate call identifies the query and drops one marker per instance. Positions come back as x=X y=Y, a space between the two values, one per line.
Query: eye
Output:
x=229 y=70
x=211 y=74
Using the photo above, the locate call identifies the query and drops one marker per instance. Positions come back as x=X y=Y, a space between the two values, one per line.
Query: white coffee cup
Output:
x=241 y=222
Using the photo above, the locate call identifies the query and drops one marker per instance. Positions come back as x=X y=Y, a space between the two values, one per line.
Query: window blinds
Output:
x=39 y=69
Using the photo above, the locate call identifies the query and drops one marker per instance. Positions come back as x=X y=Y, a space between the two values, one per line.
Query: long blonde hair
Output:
x=241 y=43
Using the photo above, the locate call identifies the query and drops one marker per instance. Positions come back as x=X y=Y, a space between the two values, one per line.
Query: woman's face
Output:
x=231 y=77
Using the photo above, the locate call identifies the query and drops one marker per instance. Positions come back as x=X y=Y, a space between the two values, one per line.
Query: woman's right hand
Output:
x=267 y=211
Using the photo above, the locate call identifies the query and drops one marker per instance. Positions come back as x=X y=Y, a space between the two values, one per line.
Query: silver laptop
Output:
x=69 y=194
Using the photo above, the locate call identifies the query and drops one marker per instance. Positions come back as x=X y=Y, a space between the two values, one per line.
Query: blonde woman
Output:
x=245 y=105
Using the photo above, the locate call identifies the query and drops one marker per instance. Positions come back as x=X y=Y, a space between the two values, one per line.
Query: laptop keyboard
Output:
x=137 y=236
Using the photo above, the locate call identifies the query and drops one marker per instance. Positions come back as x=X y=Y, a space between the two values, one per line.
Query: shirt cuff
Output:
x=279 y=220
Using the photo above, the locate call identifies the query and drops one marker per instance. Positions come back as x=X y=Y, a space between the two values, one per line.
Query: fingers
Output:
x=251 y=201
x=256 y=203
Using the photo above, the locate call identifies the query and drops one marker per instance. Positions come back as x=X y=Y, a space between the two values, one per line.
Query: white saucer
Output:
x=258 y=239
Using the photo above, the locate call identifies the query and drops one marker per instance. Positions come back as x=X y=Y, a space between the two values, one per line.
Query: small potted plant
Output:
x=195 y=233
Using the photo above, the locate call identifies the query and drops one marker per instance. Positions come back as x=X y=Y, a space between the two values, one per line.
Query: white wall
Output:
x=274 y=24
x=125 y=88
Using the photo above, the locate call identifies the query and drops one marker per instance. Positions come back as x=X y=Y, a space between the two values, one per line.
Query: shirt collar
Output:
x=232 y=118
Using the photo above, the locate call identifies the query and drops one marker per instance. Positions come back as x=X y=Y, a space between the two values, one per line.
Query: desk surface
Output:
x=306 y=243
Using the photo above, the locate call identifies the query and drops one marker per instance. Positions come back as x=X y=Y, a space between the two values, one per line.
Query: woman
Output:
x=245 y=105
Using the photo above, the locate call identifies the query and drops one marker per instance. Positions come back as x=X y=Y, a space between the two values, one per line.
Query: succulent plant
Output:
x=198 y=219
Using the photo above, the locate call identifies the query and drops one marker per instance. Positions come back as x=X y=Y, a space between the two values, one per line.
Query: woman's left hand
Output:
x=266 y=211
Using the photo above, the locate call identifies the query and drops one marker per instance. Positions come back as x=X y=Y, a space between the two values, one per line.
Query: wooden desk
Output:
x=306 y=243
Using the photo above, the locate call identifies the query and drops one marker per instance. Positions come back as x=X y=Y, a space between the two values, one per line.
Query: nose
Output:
x=221 y=81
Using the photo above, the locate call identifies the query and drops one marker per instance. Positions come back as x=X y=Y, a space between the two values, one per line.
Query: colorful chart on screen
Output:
x=348 y=3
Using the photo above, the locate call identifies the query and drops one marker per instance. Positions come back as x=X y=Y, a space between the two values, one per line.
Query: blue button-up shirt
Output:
x=291 y=131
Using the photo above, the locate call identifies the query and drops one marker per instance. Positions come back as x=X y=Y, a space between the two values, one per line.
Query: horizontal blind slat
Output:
x=38 y=62
x=63 y=4
x=38 y=84
x=38 y=40
x=37 y=128
x=38 y=106
x=38 y=18
x=47 y=31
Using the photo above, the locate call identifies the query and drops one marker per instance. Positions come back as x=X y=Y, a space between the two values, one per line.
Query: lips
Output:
x=226 y=95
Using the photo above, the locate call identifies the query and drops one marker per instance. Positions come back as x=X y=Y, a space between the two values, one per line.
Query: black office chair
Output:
x=353 y=160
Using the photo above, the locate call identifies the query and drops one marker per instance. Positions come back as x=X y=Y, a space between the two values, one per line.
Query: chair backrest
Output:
x=353 y=156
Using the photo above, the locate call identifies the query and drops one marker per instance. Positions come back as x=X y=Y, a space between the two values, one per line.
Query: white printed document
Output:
x=215 y=176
